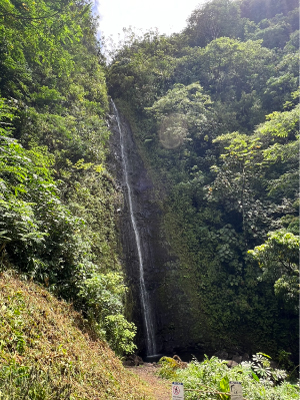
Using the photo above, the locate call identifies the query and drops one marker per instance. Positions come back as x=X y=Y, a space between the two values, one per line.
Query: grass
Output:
x=48 y=352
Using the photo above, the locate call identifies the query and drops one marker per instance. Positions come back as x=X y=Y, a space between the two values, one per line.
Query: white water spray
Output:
x=147 y=313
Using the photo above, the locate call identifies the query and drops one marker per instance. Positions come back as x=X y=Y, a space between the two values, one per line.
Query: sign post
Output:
x=236 y=390
x=177 y=391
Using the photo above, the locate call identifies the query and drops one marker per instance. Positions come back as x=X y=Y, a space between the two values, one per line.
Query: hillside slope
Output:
x=46 y=352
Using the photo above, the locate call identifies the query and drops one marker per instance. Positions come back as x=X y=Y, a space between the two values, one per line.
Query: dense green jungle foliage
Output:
x=57 y=199
x=215 y=113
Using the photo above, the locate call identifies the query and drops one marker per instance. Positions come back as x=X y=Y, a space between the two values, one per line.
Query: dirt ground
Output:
x=159 y=389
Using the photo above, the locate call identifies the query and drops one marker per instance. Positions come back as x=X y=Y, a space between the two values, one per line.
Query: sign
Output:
x=177 y=391
x=236 y=390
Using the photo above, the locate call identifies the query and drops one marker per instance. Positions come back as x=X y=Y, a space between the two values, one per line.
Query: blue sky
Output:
x=167 y=15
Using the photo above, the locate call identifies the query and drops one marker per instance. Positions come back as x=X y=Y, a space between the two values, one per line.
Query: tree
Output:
x=257 y=10
x=257 y=176
x=144 y=69
x=189 y=107
x=238 y=184
x=278 y=258
x=214 y=19
x=234 y=74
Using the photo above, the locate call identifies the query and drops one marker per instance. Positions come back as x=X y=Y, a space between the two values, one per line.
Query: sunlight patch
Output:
x=173 y=130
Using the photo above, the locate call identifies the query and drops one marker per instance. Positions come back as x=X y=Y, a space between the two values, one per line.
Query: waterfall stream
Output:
x=144 y=295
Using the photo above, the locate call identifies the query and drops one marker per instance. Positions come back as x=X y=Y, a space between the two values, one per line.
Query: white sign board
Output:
x=177 y=391
x=236 y=390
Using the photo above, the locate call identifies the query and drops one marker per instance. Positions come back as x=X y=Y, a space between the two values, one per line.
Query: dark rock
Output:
x=133 y=361
x=231 y=364
x=128 y=363
x=139 y=360
x=237 y=359
x=245 y=357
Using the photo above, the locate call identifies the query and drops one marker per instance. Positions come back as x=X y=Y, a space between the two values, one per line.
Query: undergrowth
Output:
x=48 y=353
x=210 y=379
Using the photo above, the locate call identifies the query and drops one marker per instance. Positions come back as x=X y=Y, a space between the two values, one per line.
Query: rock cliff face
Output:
x=170 y=307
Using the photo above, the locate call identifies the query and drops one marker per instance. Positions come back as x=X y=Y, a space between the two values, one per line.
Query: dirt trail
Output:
x=159 y=389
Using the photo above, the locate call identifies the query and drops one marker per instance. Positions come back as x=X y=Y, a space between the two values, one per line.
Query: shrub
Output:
x=211 y=378
x=103 y=295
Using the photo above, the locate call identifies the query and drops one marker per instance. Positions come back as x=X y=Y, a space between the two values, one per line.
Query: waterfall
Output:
x=144 y=295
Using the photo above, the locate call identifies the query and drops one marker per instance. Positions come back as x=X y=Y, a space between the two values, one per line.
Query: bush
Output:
x=104 y=295
x=210 y=380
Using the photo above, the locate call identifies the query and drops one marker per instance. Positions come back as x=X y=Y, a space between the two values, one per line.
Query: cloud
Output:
x=168 y=16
